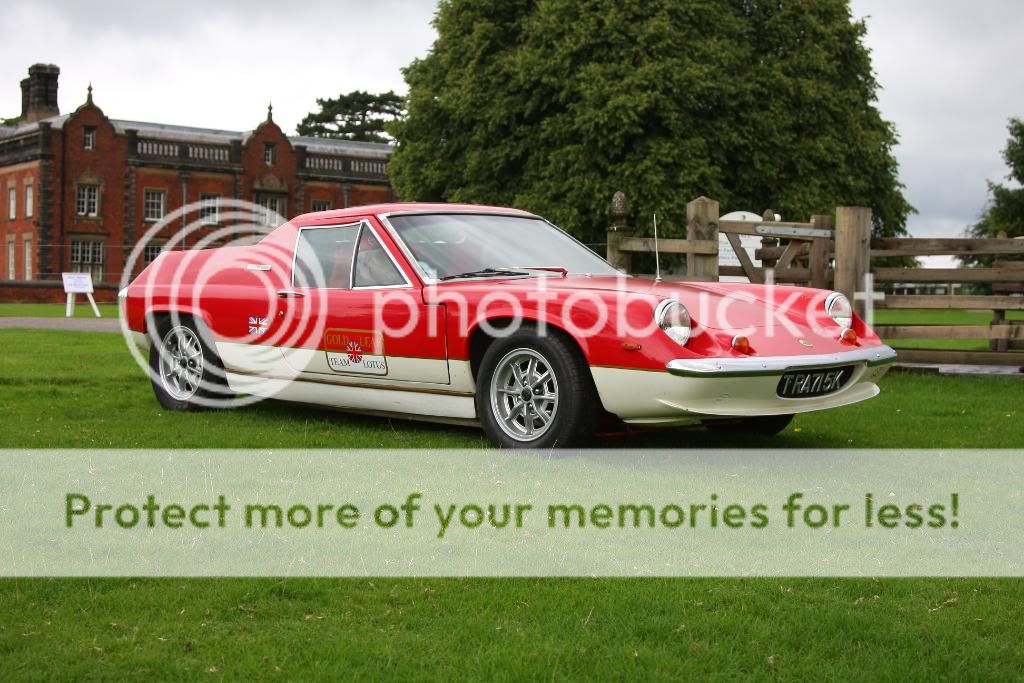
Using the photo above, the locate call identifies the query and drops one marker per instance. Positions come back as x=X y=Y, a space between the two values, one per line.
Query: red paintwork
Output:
x=227 y=293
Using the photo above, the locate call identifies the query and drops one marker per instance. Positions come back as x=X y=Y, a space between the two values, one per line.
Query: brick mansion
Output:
x=79 y=189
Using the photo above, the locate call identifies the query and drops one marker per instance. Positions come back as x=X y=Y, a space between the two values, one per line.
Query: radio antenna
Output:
x=657 y=260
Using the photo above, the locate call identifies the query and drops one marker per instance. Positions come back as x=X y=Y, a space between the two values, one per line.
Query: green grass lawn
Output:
x=925 y=316
x=82 y=390
x=82 y=310
x=939 y=317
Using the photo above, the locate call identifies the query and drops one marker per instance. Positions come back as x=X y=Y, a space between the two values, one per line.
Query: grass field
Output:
x=940 y=317
x=82 y=390
x=82 y=310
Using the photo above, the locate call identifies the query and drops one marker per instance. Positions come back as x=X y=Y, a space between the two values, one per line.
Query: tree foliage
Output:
x=1005 y=210
x=357 y=115
x=553 y=105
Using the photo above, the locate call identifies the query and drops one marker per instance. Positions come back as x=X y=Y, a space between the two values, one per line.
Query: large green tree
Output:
x=357 y=115
x=1005 y=210
x=553 y=105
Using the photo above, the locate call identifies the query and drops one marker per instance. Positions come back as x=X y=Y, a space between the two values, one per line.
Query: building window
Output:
x=29 y=200
x=87 y=257
x=153 y=204
x=12 y=203
x=89 y=138
x=320 y=205
x=269 y=153
x=209 y=209
x=27 y=241
x=11 y=256
x=151 y=251
x=273 y=208
x=87 y=200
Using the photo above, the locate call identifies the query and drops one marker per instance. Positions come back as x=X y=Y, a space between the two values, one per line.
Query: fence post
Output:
x=702 y=224
x=617 y=230
x=853 y=251
x=817 y=260
x=768 y=216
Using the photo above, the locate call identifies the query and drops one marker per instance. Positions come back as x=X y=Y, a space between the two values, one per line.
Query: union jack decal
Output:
x=257 y=325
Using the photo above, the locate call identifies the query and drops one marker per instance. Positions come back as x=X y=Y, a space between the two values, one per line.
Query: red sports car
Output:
x=488 y=316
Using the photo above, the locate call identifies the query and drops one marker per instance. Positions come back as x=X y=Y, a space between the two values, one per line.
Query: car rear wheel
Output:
x=765 y=425
x=186 y=372
x=535 y=391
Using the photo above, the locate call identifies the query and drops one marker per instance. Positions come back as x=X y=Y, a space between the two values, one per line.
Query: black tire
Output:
x=211 y=389
x=574 y=418
x=764 y=425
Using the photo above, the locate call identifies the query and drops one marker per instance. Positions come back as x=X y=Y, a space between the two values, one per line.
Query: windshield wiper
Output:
x=484 y=272
x=551 y=269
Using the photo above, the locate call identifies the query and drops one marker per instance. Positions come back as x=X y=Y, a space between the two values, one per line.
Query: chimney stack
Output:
x=39 y=93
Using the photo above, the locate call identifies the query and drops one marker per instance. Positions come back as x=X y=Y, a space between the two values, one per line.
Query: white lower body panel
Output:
x=652 y=397
x=418 y=402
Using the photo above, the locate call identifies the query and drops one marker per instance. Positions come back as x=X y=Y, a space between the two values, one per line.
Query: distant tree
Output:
x=357 y=115
x=1004 y=212
x=553 y=105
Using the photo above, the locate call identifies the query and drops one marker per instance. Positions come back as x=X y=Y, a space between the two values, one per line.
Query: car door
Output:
x=365 y=320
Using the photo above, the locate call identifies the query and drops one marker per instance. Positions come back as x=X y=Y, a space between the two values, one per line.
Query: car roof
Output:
x=410 y=207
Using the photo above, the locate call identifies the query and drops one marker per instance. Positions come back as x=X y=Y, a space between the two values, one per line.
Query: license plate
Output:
x=809 y=383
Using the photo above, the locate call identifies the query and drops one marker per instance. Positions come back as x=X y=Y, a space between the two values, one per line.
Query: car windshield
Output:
x=446 y=246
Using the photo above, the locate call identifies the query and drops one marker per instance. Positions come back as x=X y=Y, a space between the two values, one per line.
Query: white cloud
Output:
x=950 y=78
x=209 y=64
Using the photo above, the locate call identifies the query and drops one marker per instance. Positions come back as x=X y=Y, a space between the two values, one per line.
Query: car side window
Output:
x=374 y=267
x=323 y=257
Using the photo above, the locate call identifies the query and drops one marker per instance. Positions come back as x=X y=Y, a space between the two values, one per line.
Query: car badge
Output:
x=804 y=342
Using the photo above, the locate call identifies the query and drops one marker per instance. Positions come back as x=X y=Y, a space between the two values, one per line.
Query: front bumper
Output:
x=734 y=387
x=752 y=366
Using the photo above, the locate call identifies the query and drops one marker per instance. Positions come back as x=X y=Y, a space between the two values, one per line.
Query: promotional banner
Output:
x=493 y=513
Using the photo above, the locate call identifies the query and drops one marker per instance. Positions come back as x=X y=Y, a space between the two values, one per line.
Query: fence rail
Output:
x=817 y=254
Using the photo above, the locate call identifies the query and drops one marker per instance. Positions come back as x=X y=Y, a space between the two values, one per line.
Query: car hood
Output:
x=713 y=304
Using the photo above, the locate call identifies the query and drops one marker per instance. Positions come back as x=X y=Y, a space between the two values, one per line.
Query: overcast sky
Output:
x=950 y=71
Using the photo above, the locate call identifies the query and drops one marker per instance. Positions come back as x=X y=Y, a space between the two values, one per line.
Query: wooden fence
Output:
x=836 y=253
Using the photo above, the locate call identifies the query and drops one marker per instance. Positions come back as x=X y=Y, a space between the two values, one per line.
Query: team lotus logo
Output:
x=354 y=351
x=257 y=325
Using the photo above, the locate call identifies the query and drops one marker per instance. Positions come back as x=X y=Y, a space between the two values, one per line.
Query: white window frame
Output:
x=280 y=206
x=89 y=138
x=269 y=153
x=26 y=245
x=12 y=257
x=325 y=204
x=147 y=195
x=209 y=208
x=148 y=249
x=30 y=200
x=90 y=257
x=82 y=198
x=12 y=203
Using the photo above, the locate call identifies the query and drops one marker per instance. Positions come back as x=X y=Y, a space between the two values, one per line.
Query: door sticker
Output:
x=358 y=351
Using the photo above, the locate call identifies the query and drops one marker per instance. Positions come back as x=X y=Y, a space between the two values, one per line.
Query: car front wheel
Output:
x=535 y=391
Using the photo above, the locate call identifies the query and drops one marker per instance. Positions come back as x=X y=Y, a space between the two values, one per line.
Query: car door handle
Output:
x=289 y=294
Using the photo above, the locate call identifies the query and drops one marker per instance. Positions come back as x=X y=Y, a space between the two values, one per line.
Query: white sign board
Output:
x=77 y=283
x=727 y=256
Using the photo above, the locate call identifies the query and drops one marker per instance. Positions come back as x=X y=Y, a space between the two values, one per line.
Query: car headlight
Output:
x=839 y=309
x=673 y=317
